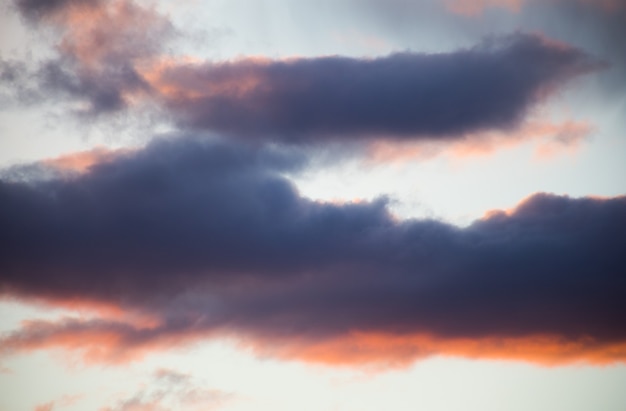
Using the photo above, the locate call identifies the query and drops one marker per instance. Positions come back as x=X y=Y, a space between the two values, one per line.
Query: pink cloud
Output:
x=82 y=161
x=49 y=406
x=549 y=138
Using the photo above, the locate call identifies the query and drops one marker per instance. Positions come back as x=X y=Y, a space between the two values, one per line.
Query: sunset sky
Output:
x=319 y=205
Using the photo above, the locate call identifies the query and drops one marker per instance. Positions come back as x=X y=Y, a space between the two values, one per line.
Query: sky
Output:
x=317 y=205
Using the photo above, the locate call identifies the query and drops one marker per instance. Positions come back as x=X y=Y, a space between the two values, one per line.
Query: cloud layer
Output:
x=204 y=238
x=491 y=86
x=196 y=238
x=108 y=65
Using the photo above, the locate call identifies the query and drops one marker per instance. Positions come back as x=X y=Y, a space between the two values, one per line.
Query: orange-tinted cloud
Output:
x=114 y=343
x=185 y=79
x=550 y=139
x=110 y=33
x=49 y=406
x=388 y=350
x=82 y=161
x=96 y=341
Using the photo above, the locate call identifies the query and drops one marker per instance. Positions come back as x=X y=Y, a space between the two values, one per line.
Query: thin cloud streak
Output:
x=550 y=138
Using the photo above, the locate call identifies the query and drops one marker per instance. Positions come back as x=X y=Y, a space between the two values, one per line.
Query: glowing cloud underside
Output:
x=200 y=239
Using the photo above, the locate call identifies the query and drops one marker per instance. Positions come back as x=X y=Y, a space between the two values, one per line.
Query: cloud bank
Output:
x=202 y=239
x=401 y=96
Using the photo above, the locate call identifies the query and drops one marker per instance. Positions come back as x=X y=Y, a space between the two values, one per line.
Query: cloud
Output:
x=65 y=401
x=403 y=96
x=550 y=137
x=209 y=240
x=111 y=58
x=99 y=45
x=81 y=161
x=49 y=406
x=594 y=25
x=172 y=390
x=598 y=25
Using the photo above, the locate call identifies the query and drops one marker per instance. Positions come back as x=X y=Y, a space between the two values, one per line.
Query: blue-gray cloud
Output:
x=209 y=237
x=405 y=95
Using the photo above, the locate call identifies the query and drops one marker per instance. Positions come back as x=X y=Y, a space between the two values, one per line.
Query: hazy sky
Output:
x=317 y=205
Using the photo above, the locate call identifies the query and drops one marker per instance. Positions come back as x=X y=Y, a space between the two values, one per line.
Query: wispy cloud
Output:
x=172 y=390
x=99 y=45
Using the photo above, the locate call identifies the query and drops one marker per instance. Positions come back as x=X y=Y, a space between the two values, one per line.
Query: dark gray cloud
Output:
x=208 y=237
x=406 y=95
